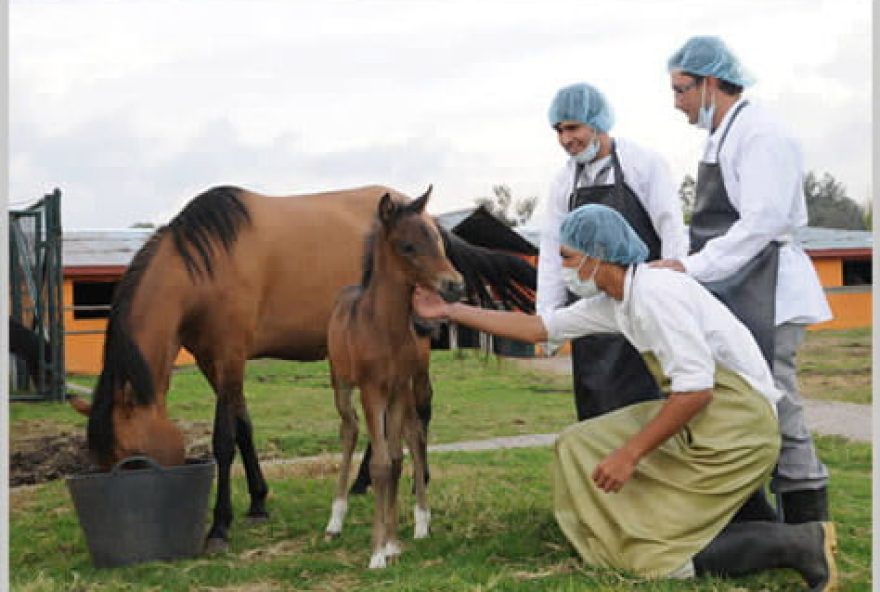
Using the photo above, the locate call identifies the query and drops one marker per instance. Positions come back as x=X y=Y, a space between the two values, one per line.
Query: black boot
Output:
x=757 y=507
x=749 y=547
x=805 y=505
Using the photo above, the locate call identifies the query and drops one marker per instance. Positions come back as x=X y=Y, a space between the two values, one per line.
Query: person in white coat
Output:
x=652 y=487
x=749 y=202
x=606 y=370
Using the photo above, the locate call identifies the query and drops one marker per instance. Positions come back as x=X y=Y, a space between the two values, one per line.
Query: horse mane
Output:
x=216 y=214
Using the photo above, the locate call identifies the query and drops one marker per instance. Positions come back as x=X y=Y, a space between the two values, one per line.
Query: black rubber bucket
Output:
x=140 y=511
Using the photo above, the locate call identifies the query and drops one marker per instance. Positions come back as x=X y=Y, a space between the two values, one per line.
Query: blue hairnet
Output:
x=602 y=232
x=584 y=103
x=708 y=56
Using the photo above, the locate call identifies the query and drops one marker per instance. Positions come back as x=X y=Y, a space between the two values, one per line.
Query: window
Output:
x=856 y=272
x=91 y=300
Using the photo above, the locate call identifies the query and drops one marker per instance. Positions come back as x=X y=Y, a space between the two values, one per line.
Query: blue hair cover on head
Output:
x=603 y=233
x=584 y=103
x=709 y=56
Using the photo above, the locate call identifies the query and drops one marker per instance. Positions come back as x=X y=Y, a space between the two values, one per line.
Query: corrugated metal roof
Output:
x=450 y=220
x=113 y=248
x=100 y=248
x=821 y=239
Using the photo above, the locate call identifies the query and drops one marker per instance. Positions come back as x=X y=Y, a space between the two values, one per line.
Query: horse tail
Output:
x=218 y=214
x=512 y=280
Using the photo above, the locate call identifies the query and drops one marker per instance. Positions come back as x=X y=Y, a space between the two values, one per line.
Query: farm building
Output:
x=94 y=261
x=843 y=260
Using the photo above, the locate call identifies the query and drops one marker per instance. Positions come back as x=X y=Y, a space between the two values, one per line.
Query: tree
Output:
x=829 y=206
x=687 y=193
x=500 y=204
x=143 y=225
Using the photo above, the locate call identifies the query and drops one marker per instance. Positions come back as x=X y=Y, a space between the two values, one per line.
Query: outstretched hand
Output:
x=429 y=305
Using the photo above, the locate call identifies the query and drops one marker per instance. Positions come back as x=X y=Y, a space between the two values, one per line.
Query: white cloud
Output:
x=133 y=107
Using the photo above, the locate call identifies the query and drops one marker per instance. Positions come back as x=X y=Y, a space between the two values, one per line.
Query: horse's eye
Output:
x=407 y=249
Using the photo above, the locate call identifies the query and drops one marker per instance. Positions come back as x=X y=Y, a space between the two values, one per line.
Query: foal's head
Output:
x=416 y=246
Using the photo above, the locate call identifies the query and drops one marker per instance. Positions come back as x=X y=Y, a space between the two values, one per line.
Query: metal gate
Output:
x=35 y=300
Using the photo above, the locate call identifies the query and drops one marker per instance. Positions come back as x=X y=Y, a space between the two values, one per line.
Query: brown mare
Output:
x=236 y=276
x=372 y=345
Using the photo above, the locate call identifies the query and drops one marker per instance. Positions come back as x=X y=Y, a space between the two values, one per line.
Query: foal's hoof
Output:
x=331 y=536
x=392 y=550
x=216 y=545
x=377 y=561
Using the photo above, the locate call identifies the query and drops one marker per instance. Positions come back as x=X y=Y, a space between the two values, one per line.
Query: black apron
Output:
x=608 y=372
x=750 y=293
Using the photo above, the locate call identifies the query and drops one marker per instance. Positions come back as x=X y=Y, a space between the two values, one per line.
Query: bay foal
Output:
x=372 y=345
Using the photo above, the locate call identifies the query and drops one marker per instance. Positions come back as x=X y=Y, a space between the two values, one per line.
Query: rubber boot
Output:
x=805 y=505
x=749 y=547
x=757 y=507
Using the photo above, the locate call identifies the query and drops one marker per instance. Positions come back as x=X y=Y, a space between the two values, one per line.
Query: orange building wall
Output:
x=851 y=310
x=851 y=306
x=83 y=353
x=830 y=271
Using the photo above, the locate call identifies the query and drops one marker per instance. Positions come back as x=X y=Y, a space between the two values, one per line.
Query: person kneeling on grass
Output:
x=651 y=488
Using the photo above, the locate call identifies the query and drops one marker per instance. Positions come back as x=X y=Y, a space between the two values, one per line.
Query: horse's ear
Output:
x=387 y=209
x=419 y=204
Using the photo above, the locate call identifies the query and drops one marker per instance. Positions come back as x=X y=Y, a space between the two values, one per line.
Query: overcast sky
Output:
x=134 y=107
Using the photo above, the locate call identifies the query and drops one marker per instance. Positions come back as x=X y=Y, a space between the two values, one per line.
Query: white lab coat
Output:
x=647 y=174
x=669 y=314
x=763 y=172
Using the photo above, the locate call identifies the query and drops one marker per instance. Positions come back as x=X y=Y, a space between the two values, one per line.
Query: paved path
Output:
x=829 y=418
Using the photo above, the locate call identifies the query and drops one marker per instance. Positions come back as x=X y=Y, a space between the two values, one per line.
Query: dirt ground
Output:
x=39 y=452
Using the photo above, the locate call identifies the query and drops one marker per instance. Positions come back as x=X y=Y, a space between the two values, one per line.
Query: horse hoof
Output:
x=359 y=489
x=331 y=536
x=392 y=549
x=257 y=518
x=377 y=561
x=214 y=546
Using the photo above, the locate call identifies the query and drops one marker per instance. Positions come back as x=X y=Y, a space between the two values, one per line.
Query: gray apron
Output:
x=608 y=372
x=750 y=293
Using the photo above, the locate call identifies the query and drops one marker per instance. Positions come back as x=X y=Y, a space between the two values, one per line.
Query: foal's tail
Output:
x=512 y=280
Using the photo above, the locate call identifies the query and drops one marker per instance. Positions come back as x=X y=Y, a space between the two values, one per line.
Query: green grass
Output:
x=492 y=529
x=836 y=365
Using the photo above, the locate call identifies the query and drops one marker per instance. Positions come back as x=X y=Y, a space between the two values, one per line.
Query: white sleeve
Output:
x=551 y=290
x=583 y=317
x=669 y=319
x=769 y=178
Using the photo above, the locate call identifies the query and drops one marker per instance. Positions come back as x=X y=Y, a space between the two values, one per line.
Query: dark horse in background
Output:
x=236 y=276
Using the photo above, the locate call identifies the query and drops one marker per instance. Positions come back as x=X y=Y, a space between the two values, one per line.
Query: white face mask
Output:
x=587 y=155
x=706 y=114
x=584 y=288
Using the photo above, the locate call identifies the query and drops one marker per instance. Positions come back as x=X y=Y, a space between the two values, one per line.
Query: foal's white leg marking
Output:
x=392 y=549
x=377 y=561
x=423 y=523
x=337 y=516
